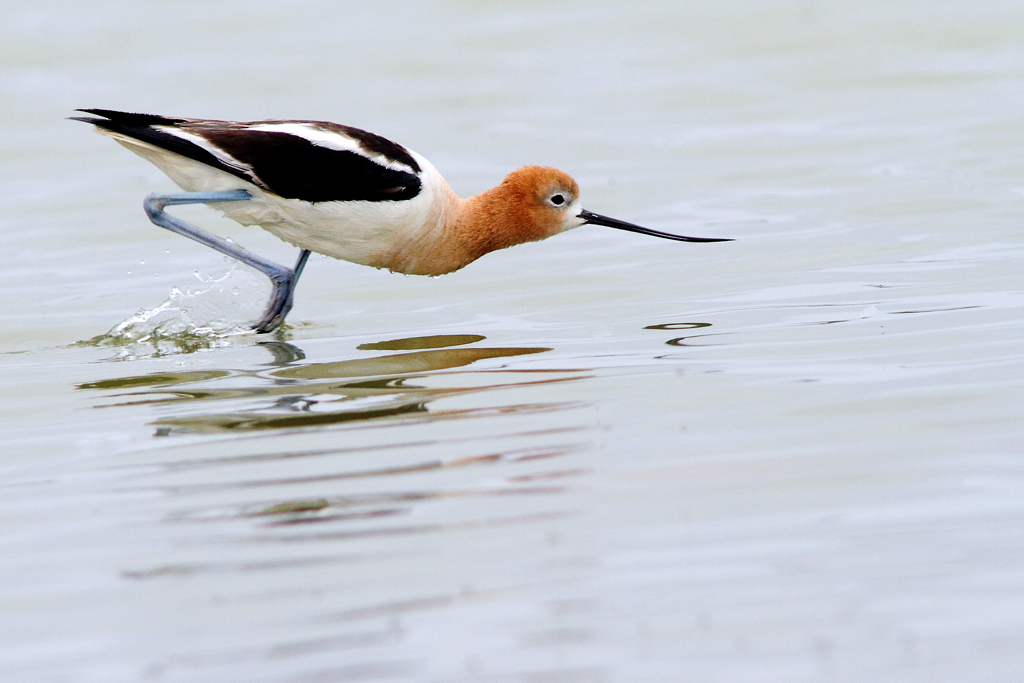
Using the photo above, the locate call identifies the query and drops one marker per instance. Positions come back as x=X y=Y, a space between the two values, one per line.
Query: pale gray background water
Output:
x=822 y=481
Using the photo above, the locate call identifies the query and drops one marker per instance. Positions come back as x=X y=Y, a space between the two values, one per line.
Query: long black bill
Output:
x=597 y=219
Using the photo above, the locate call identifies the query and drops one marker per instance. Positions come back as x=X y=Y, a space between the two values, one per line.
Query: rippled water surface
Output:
x=798 y=456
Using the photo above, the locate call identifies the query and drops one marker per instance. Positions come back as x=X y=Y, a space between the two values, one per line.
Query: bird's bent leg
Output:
x=282 y=279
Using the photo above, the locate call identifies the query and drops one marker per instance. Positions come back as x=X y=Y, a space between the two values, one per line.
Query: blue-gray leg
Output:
x=283 y=279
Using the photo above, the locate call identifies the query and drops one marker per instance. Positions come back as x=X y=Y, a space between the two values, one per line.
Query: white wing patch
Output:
x=330 y=140
x=202 y=142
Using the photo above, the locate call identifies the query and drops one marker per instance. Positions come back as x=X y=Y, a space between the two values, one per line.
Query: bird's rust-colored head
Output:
x=532 y=203
x=541 y=202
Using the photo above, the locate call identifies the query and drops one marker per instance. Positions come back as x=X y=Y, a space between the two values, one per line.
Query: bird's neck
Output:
x=459 y=231
x=492 y=220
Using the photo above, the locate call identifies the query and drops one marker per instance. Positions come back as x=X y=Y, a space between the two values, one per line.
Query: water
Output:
x=793 y=457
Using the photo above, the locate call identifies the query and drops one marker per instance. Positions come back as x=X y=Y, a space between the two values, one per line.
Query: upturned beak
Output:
x=597 y=219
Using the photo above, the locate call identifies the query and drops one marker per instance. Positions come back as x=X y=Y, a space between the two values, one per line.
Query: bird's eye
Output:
x=557 y=199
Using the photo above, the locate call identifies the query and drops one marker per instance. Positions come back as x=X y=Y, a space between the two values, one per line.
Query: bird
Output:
x=342 y=192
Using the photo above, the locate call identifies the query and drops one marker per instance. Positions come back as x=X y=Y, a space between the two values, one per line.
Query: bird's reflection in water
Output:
x=315 y=486
x=294 y=394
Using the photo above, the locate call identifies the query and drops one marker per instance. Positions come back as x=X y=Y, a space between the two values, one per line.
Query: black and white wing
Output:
x=313 y=161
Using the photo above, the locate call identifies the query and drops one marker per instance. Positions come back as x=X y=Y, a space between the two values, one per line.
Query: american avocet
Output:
x=342 y=192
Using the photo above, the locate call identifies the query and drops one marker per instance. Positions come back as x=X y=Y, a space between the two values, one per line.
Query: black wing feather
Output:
x=130 y=119
x=294 y=167
x=288 y=165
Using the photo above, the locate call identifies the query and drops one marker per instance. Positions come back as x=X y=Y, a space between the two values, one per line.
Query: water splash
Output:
x=192 y=319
